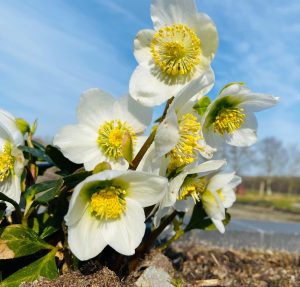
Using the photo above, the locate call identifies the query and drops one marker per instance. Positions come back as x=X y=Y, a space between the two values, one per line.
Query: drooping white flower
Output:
x=178 y=50
x=231 y=118
x=175 y=199
x=11 y=158
x=179 y=136
x=107 y=209
x=215 y=193
x=219 y=195
x=103 y=124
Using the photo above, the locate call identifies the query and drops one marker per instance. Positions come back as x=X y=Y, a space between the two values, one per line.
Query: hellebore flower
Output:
x=178 y=50
x=104 y=124
x=11 y=158
x=231 y=118
x=107 y=209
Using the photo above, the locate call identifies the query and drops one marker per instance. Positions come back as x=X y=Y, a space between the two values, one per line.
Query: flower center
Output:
x=176 y=49
x=111 y=135
x=6 y=162
x=185 y=151
x=194 y=188
x=108 y=203
x=228 y=120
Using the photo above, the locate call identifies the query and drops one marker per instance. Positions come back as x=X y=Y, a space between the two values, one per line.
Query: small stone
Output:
x=154 y=277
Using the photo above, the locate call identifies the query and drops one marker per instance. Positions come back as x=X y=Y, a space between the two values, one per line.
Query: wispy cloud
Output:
x=53 y=50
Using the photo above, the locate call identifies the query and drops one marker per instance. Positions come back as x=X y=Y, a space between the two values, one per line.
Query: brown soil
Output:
x=240 y=268
x=199 y=265
x=103 y=278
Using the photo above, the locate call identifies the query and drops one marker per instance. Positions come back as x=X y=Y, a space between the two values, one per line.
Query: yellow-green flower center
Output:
x=194 y=188
x=185 y=151
x=228 y=120
x=111 y=135
x=176 y=49
x=6 y=162
x=108 y=203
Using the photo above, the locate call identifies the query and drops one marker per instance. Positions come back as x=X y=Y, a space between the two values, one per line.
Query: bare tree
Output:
x=240 y=159
x=272 y=157
x=292 y=165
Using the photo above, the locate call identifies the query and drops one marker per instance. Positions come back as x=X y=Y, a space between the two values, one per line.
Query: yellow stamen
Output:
x=108 y=203
x=185 y=152
x=111 y=135
x=6 y=162
x=194 y=188
x=228 y=120
x=176 y=49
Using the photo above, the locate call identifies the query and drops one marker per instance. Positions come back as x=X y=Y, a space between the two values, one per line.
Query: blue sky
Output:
x=53 y=50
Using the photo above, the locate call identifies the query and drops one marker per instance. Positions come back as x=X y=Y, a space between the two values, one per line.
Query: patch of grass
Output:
x=290 y=203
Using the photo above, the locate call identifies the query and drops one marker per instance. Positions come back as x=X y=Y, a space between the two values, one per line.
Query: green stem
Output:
x=135 y=163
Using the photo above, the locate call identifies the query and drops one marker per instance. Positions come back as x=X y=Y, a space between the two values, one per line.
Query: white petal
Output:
x=9 y=130
x=219 y=225
x=234 y=89
x=95 y=107
x=132 y=112
x=205 y=167
x=79 y=144
x=219 y=181
x=11 y=187
x=146 y=189
x=242 y=137
x=85 y=238
x=184 y=205
x=207 y=32
x=213 y=205
x=212 y=138
x=167 y=134
x=129 y=230
x=229 y=197
x=148 y=89
x=166 y=12
x=201 y=84
x=161 y=212
x=256 y=102
x=77 y=206
x=174 y=186
x=142 y=44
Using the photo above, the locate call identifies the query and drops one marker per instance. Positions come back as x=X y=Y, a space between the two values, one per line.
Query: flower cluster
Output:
x=113 y=175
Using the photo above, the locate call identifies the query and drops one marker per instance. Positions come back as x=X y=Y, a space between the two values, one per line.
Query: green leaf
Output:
x=127 y=147
x=38 y=153
x=202 y=105
x=3 y=197
x=65 y=165
x=34 y=127
x=22 y=125
x=43 y=267
x=200 y=219
x=21 y=241
x=49 y=189
x=72 y=180
x=2 y=210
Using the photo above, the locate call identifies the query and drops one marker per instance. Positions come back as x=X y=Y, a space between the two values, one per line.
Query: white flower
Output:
x=179 y=135
x=179 y=50
x=231 y=116
x=219 y=194
x=11 y=158
x=103 y=124
x=107 y=209
x=175 y=198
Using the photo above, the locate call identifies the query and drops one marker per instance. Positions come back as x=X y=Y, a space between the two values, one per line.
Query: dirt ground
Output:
x=240 y=268
x=198 y=265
